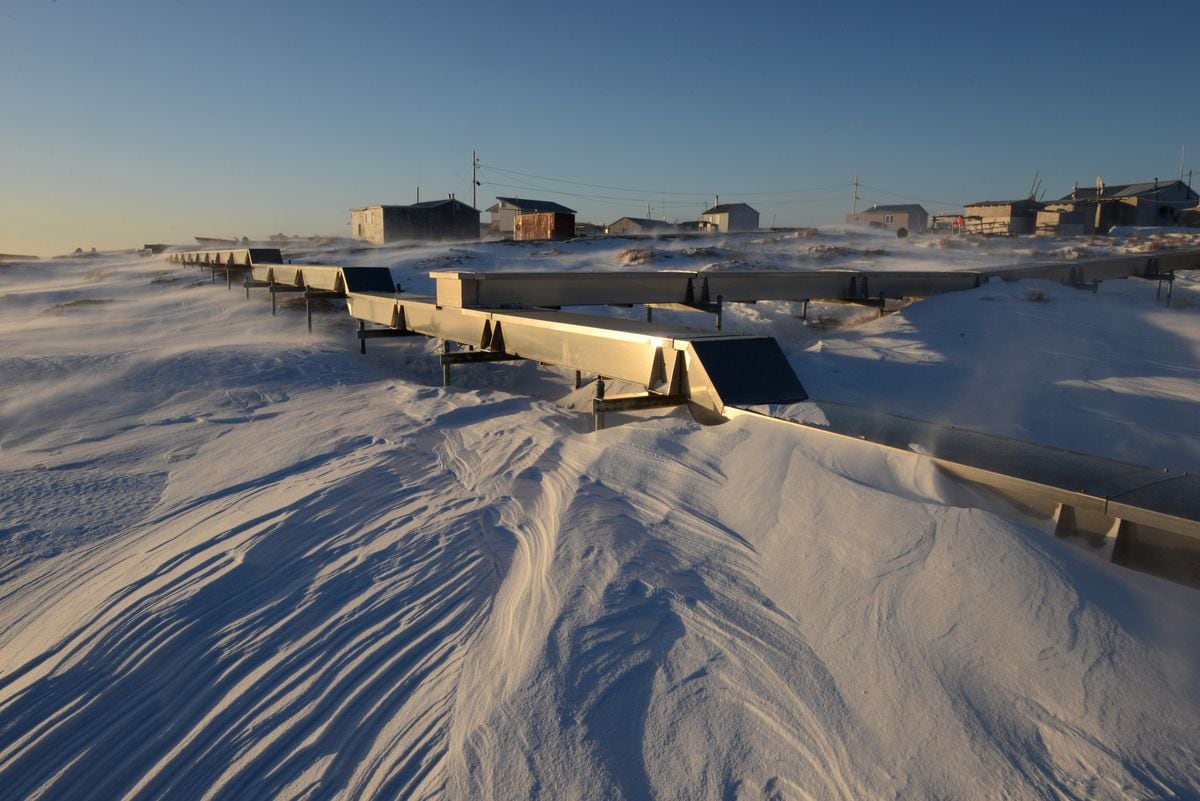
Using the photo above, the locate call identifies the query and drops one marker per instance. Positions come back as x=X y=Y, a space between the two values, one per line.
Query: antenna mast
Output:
x=854 y=202
x=474 y=183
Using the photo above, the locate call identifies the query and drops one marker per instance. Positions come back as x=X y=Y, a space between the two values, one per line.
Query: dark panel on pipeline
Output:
x=265 y=256
x=748 y=371
x=369 y=279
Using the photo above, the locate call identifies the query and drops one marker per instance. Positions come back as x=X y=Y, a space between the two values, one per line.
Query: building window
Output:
x=888 y=219
x=360 y=230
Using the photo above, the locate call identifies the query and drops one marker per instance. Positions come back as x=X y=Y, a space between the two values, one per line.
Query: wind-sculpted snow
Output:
x=243 y=564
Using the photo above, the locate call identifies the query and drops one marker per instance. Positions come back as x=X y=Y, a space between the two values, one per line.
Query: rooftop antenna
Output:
x=1033 y=190
x=418 y=194
x=1181 y=147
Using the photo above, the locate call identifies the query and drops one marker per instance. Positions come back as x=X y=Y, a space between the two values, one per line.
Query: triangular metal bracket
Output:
x=678 y=373
x=658 y=371
x=399 y=320
x=663 y=382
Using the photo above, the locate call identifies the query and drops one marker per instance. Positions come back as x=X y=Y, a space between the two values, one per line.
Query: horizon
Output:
x=133 y=123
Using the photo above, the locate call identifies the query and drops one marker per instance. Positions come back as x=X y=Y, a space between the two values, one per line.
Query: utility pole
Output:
x=1181 y=147
x=474 y=183
x=854 y=201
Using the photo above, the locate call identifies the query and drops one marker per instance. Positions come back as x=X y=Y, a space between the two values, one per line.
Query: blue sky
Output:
x=125 y=122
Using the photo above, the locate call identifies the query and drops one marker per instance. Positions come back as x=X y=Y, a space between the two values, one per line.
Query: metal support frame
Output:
x=284 y=288
x=309 y=294
x=477 y=357
x=634 y=401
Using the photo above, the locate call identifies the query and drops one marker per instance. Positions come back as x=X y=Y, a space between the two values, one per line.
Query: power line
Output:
x=910 y=197
x=658 y=193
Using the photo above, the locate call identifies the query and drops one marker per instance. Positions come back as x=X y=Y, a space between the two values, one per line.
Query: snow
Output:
x=240 y=561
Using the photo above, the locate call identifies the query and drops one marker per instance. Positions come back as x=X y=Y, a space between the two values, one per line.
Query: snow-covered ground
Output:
x=237 y=561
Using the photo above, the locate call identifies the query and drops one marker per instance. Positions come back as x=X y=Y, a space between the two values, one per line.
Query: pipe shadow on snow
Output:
x=147 y=692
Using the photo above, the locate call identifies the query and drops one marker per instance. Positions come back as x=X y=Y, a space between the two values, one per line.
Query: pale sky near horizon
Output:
x=128 y=122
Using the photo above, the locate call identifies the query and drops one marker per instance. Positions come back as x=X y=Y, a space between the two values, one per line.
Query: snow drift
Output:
x=240 y=562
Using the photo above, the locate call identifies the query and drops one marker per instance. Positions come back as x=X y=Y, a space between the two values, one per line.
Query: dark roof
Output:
x=1126 y=190
x=425 y=204
x=898 y=207
x=1023 y=202
x=526 y=204
x=430 y=204
x=725 y=208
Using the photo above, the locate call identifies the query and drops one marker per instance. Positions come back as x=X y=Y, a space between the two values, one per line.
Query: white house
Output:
x=730 y=218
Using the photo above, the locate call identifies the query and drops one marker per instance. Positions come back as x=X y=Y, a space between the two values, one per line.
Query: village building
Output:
x=588 y=229
x=1062 y=222
x=907 y=216
x=433 y=219
x=506 y=209
x=1099 y=208
x=1002 y=217
x=729 y=218
x=639 y=226
x=544 y=225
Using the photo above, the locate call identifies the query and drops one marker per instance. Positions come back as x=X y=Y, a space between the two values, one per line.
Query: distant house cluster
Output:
x=724 y=218
x=527 y=219
x=1084 y=211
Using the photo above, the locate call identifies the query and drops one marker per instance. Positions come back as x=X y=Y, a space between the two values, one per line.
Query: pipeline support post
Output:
x=578 y=379
x=362 y=341
x=720 y=310
x=445 y=363
x=598 y=404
